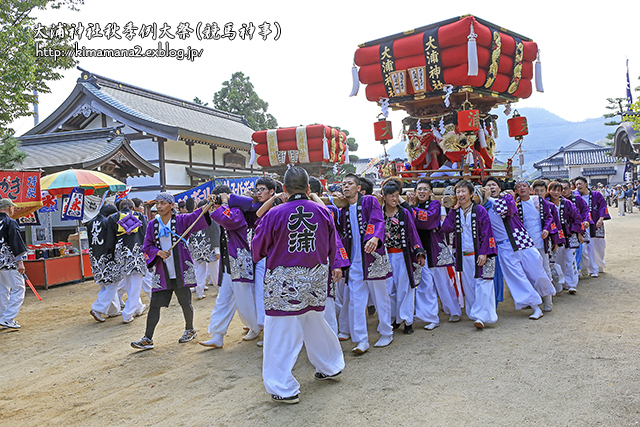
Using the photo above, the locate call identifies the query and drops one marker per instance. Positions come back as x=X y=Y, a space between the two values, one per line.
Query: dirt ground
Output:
x=577 y=366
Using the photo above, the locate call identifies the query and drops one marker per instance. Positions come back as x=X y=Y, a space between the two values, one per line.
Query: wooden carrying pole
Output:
x=205 y=209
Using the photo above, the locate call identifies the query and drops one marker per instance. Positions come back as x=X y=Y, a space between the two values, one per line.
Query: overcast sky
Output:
x=305 y=76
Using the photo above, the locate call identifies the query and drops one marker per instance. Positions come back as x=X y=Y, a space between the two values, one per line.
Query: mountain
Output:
x=547 y=133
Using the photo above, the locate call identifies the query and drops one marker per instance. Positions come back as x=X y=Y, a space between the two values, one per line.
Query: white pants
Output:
x=283 y=339
x=401 y=296
x=524 y=275
x=329 y=314
x=596 y=254
x=426 y=298
x=566 y=259
x=589 y=260
x=258 y=278
x=342 y=304
x=132 y=283
x=479 y=294
x=233 y=295
x=12 y=290
x=107 y=301
x=204 y=270
x=359 y=291
x=446 y=290
x=545 y=263
x=147 y=287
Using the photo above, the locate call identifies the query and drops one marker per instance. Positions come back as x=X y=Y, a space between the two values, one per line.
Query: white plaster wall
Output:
x=146 y=148
x=177 y=175
x=176 y=150
x=202 y=154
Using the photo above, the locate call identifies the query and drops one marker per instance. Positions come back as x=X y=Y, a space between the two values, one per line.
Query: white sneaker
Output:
x=129 y=320
x=206 y=288
x=479 y=324
x=10 y=324
x=142 y=310
x=361 y=348
x=215 y=341
x=343 y=337
x=96 y=316
x=537 y=313
x=454 y=318
x=431 y=326
x=594 y=274
x=251 y=335
x=384 y=341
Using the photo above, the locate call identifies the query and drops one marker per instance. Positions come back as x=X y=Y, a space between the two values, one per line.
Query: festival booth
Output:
x=448 y=77
x=312 y=147
x=78 y=195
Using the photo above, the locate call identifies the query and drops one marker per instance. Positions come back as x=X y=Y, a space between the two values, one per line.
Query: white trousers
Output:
x=566 y=259
x=283 y=339
x=132 y=283
x=107 y=301
x=545 y=263
x=147 y=281
x=402 y=297
x=589 y=260
x=233 y=295
x=12 y=290
x=204 y=270
x=342 y=305
x=524 y=275
x=427 y=299
x=258 y=278
x=446 y=290
x=479 y=294
x=359 y=291
x=329 y=314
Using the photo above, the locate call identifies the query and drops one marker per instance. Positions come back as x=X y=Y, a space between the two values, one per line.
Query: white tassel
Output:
x=356 y=81
x=252 y=159
x=436 y=133
x=419 y=128
x=472 y=53
x=325 y=148
x=384 y=106
x=346 y=155
x=539 y=87
x=335 y=169
x=469 y=158
x=483 y=138
x=448 y=91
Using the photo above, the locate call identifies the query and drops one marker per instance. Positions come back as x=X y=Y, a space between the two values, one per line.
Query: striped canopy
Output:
x=91 y=181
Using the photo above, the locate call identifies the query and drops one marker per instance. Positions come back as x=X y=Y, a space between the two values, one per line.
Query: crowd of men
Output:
x=301 y=269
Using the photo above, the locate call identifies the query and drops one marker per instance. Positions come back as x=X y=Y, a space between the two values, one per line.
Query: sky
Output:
x=305 y=75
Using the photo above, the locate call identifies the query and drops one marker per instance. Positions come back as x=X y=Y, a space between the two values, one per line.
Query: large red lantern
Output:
x=469 y=120
x=382 y=131
x=517 y=126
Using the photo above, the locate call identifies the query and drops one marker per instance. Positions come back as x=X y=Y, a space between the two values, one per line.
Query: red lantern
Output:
x=517 y=126
x=382 y=130
x=469 y=120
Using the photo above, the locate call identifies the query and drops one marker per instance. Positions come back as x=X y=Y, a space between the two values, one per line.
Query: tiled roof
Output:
x=598 y=171
x=588 y=157
x=78 y=149
x=549 y=162
x=557 y=174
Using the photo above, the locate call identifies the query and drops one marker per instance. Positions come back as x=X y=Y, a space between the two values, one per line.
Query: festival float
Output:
x=448 y=77
x=314 y=147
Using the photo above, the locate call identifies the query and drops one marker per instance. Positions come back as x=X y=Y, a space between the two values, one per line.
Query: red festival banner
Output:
x=23 y=189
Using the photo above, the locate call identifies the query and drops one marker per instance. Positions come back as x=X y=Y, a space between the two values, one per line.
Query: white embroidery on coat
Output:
x=380 y=267
x=241 y=265
x=295 y=288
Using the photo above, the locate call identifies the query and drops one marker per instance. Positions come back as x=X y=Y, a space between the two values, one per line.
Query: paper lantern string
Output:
x=448 y=89
x=384 y=105
x=419 y=128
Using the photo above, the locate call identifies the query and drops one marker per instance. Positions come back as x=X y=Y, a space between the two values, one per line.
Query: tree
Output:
x=237 y=96
x=24 y=71
x=10 y=153
x=198 y=101
x=352 y=144
x=621 y=105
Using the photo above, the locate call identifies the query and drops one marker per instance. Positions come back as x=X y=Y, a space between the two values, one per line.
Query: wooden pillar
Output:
x=190 y=145
x=213 y=157
x=161 y=164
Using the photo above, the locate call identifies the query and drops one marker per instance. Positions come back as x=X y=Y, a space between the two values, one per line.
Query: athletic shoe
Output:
x=479 y=324
x=201 y=296
x=251 y=335
x=321 y=376
x=10 y=324
x=142 y=310
x=361 y=348
x=384 y=341
x=188 y=335
x=215 y=341
x=280 y=399
x=96 y=316
x=144 y=344
x=343 y=337
x=454 y=318
x=129 y=320
x=431 y=326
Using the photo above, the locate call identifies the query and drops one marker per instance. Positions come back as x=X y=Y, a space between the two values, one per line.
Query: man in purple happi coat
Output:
x=593 y=252
x=299 y=240
x=167 y=252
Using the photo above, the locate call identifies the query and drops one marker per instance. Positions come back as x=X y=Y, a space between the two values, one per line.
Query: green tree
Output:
x=618 y=106
x=198 y=101
x=10 y=153
x=22 y=70
x=352 y=144
x=237 y=96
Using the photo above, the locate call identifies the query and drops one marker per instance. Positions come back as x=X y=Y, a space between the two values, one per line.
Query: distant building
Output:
x=582 y=158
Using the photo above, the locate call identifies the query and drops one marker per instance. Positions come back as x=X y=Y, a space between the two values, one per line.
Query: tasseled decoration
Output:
x=335 y=169
x=539 y=87
x=325 y=148
x=448 y=91
x=469 y=158
x=436 y=133
x=252 y=159
x=356 y=81
x=482 y=137
x=346 y=154
x=384 y=106
x=418 y=128
x=441 y=126
x=472 y=53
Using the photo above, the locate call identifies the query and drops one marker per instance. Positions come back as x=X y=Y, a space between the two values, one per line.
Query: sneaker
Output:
x=291 y=399
x=188 y=335
x=10 y=324
x=343 y=337
x=384 y=341
x=203 y=296
x=594 y=274
x=321 y=376
x=479 y=324
x=206 y=288
x=142 y=310
x=144 y=344
x=129 y=320
x=96 y=316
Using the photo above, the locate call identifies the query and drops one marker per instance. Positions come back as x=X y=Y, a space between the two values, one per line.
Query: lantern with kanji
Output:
x=382 y=131
x=517 y=126
x=468 y=120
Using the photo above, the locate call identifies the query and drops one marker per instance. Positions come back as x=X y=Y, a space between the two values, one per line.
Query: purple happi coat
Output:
x=370 y=220
x=342 y=259
x=597 y=208
x=427 y=218
x=506 y=207
x=235 y=255
x=582 y=207
x=411 y=245
x=570 y=220
x=546 y=218
x=557 y=238
x=299 y=240
x=483 y=240
x=184 y=267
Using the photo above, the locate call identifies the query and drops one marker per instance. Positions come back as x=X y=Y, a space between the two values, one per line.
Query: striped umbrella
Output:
x=91 y=181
